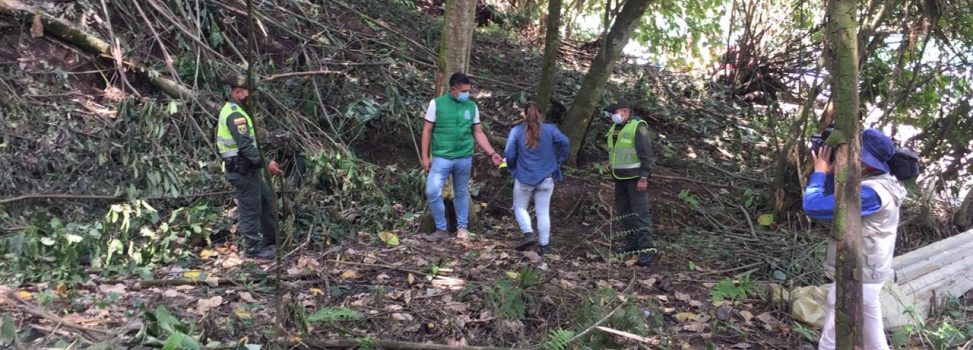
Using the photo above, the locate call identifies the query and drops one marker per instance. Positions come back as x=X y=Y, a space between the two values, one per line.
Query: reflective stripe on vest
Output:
x=224 y=139
x=622 y=153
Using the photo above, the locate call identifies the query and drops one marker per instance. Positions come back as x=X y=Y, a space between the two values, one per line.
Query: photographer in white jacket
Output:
x=882 y=195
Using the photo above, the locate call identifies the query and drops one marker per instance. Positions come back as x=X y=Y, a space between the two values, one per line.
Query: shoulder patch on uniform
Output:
x=239 y=121
x=242 y=128
x=234 y=107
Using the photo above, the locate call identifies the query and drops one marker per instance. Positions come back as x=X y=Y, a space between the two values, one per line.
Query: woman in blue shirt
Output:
x=534 y=155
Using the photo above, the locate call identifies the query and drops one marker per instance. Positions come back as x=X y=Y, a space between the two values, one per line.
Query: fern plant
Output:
x=558 y=340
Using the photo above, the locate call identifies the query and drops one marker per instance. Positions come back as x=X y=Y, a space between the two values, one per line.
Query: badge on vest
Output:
x=466 y=115
x=242 y=129
x=239 y=121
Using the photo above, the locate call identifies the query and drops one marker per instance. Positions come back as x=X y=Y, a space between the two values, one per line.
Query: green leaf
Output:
x=389 y=238
x=165 y=320
x=765 y=219
x=47 y=241
x=8 y=332
x=73 y=238
x=180 y=341
x=173 y=107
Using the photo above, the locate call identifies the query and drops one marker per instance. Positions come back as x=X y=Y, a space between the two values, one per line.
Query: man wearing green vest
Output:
x=452 y=126
x=237 y=142
x=630 y=162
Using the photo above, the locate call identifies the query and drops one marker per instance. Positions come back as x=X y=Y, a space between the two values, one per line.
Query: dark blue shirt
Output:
x=819 y=204
x=532 y=166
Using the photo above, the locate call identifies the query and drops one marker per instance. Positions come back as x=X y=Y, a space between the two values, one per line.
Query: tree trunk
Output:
x=580 y=114
x=843 y=50
x=456 y=42
x=549 y=67
x=963 y=219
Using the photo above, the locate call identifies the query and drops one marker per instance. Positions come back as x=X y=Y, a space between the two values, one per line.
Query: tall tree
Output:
x=549 y=67
x=456 y=41
x=842 y=49
x=579 y=116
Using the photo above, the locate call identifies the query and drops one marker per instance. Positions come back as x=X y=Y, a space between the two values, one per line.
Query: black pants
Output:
x=633 y=207
x=255 y=210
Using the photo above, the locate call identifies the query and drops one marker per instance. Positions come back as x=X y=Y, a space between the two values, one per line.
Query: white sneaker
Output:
x=462 y=234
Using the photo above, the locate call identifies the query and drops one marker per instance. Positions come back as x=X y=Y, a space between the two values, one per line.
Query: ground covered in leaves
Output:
x=127 y=164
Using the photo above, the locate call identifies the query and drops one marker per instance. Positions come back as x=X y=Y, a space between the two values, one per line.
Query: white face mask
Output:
x=617 y=118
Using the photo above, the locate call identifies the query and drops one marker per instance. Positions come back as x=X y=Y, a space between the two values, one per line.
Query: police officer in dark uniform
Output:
x=237 y=143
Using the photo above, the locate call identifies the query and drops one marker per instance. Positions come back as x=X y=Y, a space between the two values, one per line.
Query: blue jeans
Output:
x=541 y=194
x=439 y=171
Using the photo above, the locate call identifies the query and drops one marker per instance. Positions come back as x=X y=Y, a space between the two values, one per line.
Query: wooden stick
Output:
x=628 y=335
x=36 y=311
x=298 y=74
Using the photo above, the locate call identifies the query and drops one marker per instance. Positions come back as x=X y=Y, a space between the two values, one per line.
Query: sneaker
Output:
x=645 y=259
x=462 y=234
x=530 y=238
x=544 y=250
x=436 y=236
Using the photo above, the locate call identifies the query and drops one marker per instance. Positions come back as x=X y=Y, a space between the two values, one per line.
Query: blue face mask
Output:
x=617 y=118
x=463 y=96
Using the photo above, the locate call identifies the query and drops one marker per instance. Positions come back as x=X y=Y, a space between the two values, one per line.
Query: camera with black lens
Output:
x=817 y=141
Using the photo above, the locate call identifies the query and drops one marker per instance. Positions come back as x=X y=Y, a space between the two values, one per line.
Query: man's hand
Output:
x=822 y=160
x=426 y=164
x=274 y=168
x=496 y=158
x=642 y=185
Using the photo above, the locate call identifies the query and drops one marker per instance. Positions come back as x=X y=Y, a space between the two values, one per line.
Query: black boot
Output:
x=623 y=249
x=530 y=238
x=645 y=259
x=264 y=253
x=544 y=250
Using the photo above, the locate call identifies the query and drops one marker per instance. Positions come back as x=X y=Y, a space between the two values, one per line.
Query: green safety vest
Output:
x=224 y=139
x=621 y=152
x=452 y=137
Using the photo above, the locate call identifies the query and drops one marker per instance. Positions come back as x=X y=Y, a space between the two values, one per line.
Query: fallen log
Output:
x=95 y=45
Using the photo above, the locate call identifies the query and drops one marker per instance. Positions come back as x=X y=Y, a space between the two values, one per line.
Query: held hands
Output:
x=497 y=159
x=274 y=169
x=822 y=160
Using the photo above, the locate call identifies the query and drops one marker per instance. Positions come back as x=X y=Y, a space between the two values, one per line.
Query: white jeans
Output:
x=542 y=207
x=874 y=329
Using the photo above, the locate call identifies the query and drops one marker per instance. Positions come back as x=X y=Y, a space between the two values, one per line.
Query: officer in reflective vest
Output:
x=237 y=142
x=630 y=163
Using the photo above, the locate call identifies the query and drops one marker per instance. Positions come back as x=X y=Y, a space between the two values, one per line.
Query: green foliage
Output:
x=558 y=340
x=732 y=291
x=8 y=331
x=687 y=197
x=131 y=236
x=808 y=334
x=362 y=196
x=950 y=331
x=510 y=300
x=163 y=325
x=630 y=318
x=332 y=315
